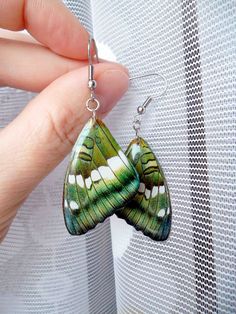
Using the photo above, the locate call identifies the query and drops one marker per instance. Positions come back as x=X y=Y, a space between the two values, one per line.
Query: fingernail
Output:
x=111 y=86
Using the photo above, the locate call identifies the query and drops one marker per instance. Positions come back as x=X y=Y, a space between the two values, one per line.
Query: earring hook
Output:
x=90 y=56
x=150 y=98
x=142 y=109
x=92 y=84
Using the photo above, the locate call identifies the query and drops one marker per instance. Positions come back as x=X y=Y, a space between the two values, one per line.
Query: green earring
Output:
x=150 y=209
x=99 y=179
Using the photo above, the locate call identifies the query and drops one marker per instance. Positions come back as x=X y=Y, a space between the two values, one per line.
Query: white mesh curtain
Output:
x=114 y=269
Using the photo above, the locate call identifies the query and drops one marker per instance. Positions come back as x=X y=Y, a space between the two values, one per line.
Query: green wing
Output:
x=150 y=209
x=99 y=179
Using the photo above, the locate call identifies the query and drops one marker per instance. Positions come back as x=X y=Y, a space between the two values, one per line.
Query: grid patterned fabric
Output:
x=42 y=268
x=192 y=132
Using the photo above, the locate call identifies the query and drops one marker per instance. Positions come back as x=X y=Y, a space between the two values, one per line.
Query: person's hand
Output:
x=53 y=63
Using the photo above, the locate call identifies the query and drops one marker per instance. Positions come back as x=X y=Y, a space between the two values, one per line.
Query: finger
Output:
x=50 y=22
x=30 y=66
x=43 y=134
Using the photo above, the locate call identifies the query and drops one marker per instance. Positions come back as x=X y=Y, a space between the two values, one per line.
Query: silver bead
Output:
x=140 y=109
x=92 y=84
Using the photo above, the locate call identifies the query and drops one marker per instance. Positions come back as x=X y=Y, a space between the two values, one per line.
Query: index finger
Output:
x=50 y=22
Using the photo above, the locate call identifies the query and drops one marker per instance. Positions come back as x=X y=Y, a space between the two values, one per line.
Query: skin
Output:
x=39 y=138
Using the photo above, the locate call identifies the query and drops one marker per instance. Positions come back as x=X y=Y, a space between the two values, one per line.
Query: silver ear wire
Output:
x=142 y=109
x=154 y=74
x=90 y=56
x=92 y=84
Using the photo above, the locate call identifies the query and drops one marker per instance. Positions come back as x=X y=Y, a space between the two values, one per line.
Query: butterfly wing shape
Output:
x=99 y=179
x=150 y=209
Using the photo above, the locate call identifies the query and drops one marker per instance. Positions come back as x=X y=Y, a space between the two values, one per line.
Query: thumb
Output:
x=44 y=133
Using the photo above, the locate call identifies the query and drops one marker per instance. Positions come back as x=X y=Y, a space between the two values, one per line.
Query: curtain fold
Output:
x=192 y=131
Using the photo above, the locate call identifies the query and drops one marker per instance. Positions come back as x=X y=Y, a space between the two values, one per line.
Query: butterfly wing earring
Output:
x=150 y=209
x=99 y=179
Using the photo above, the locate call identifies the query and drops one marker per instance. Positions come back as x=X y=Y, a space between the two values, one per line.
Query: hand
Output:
x=54 y=64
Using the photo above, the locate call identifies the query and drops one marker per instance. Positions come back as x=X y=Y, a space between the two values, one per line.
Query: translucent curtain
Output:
x=42 y=268
x=192 y=131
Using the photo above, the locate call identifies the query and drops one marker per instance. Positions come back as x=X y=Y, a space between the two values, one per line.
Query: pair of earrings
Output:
x=101 y=180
